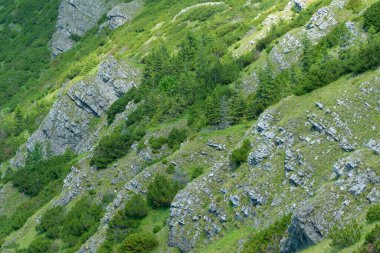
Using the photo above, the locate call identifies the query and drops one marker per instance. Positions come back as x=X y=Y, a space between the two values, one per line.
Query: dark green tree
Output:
x=161 y=191
x=372 y=17
x=136 y=207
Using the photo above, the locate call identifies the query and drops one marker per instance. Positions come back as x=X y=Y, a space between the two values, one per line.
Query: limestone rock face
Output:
x=97 y=95
x=76 y=17
x=320 y=24
x=289 y=48
x=122 y=13
x=68 y=124
x=302 y=232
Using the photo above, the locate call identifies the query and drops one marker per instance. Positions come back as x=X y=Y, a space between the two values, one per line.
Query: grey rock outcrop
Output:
x=374 y=196
x=374 y=145
x=289 y=48
x=302 y=232
x=347 y=164
x=264 y=150
x=68 y=124
x=320 y=24
x=122 y=13
x=287 y=51
x=75 y=18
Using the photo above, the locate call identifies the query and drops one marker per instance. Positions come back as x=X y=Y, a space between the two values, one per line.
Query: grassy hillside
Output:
x=209 y=72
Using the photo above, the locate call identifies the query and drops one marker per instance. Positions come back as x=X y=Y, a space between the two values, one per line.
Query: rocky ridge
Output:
x=283 y=168
x=69 y=124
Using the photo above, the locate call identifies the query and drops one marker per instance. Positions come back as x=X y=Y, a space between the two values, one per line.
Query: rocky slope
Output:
x=315 y=156
x=76 y=17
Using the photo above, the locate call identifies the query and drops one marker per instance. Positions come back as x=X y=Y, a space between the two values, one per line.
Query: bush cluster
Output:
x=115 y=146
x=372 y=17
x=37 y=173
x=161 y=191
x=138 y=243
x=372 y=241
x=240 y=155
x=268 y=240
x=174 y=139
x=73 y=228
x=345 y=236
x=373 y=213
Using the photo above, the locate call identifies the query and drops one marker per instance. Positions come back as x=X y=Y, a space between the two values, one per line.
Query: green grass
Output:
x=229 y=242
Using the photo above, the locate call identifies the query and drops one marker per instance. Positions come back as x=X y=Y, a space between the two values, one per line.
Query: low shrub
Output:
x=372 y=17
x=115 y=146
x=268 y=240
x=157 y=229
x=37 y=173
x=373 y=213
x=343 y=237
x=119 y=105
x=170 y=169
x=39 y=245
x=136 y=207
x=81 y=222
x=157 y=143
x=161 y=191
x=372 y=241
x=355 y=5
x=138 y=243
x=176 y=137
x=50 y=222
x=240 y=155
x=195 y=172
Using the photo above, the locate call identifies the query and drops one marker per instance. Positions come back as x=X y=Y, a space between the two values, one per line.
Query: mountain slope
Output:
x=174 y=126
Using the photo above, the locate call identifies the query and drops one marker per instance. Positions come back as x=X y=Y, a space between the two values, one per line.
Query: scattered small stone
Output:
x=215 y=145
x=319 y=105
x=345 y=145
x=235 y=200
x=295 y=180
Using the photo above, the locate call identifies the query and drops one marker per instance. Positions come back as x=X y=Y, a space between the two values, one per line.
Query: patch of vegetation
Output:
x=373 y=213
x=119 y=105
x=318 y=68
x=372 y=17
x=174 y=139
x=268 y=240
x=195 y=171
x=37 y=173
x=342 y=237
x=240 y=155
x=50 y=222
x=73 y=228
x=39 y=245
x=161 y=191
x=138 y=243
x=355 y=5
x=372 y=241
x=115 y=146
x=136 y=207
x=126 y=223
x=45 y=189
x=27 y=27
